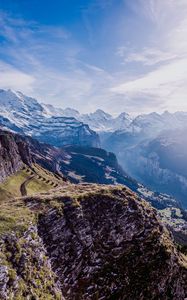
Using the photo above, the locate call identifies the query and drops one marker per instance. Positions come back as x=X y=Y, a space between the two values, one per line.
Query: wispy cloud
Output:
x=134 y=58
x=165 y=57
x=39 y=62
x=16 y=30
x=44 y=62
x=12 y=78
x=147 y=56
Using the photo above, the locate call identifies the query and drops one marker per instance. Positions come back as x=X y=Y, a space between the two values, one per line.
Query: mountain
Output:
x=98 y=121
x=25 y=115
x=160 y=163
x=150 y=125
x=147 y=124
x=77 y=164
x=87 y=242
x=101 y=121
x=151 y=150
x=36 y=167
x=129 y=138
x=61 y=240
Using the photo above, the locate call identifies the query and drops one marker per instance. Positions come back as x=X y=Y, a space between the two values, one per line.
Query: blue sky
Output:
x=117 y=55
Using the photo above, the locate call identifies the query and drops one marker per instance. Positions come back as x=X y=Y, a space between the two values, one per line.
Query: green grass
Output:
x=14 y=214
x=4 y=194
x=36 y=186
x=11 y=186
x=42 y=181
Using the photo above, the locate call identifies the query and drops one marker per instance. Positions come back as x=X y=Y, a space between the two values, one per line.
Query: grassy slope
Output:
x=42 y=181
x=14 y=215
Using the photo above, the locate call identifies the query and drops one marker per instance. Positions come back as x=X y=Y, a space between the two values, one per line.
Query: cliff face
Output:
x=88 y=242
x=12 y=154
x=25 y=269
x=105 y=243
x=82 y=241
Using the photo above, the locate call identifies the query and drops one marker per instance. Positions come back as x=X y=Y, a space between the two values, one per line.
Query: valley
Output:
x=93 y=160
x=75 y=225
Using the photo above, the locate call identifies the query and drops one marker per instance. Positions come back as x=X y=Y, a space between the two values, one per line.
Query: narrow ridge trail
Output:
x=23 y=189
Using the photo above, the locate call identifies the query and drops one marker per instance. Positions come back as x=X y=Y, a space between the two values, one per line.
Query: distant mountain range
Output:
x=26 y=115
x=64 y=241
x=153 y=150
x=150 y=147
x=100 y=121
x=142 y=144
x=73 y=223
x=75 y=164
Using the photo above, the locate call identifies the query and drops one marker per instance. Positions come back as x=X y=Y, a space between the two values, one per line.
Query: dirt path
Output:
x=23 y=189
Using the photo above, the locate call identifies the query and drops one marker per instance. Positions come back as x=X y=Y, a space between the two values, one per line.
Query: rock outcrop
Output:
x=25 y=269
x=106 y=243
x=12 y=154
x=83 y=241
x=75 y=163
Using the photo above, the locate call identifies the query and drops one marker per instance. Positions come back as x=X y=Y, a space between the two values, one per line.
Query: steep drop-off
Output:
x=43 y=167
x=12 y=155
x=100 y=242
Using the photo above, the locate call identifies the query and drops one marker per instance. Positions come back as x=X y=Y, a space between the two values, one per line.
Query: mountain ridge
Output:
x=60 y=127
x=45 y=165
x=65 y=241
x=25 y=115
x=87 y=242
x=99 y=121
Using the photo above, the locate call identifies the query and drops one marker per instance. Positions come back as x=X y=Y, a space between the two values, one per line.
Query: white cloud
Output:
x=150 y=71
x=161 y=81
x=13 y=78
x=148 y=56
x=164 y=56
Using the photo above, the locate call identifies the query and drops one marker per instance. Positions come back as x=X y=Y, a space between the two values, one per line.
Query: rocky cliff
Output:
x=43 y=167
x=25 y=269
x=12 y=154
x=91 y=242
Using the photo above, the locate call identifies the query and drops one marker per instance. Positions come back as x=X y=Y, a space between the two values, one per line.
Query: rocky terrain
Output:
x=83 y=241
x=130 y=138
x=43 y=167
x=90 y=242
x=25 y=269
x=12 y=155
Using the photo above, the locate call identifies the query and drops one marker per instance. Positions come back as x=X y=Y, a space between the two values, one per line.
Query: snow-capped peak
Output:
x=26 y=115
x=101 y=114
x=16 y=101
